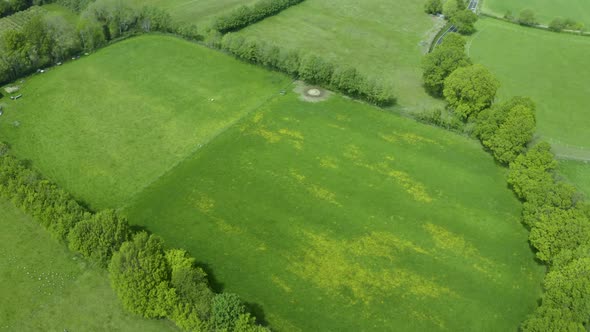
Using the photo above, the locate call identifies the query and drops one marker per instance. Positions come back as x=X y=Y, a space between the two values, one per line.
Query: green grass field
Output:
x=577 y=173
x=545 y=10
x=199 y=12
x=371 y=35
x=551 y=68
x=338 y=217
x=49 y=289
x=331 y=216
x=143 y=110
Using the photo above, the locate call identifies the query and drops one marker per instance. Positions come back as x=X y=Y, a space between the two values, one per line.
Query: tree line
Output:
x=151 y=281
x=308 y=67
x=556 y=214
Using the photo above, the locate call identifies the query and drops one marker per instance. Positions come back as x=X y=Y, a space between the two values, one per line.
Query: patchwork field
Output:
x=50 y=290
x=104 y=126
x=545 y=10
x=550 y=68
x=199 y=12
x=16 y=21
x=370 y=35
x=331 y=216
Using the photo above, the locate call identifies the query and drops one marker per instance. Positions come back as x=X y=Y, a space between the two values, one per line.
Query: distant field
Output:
x=384 y=39
x=46 y=288
x=16 y=21
x=338 y=217
x=549 y=67
x=199 y=12
x=578 y=173
x=545 y=10
x=107 y=125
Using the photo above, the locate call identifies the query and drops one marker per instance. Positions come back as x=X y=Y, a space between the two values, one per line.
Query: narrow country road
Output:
x=473 y=7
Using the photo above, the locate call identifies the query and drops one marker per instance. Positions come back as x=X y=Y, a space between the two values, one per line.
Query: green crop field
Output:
x=545 y=10
x=549 y=67
x=370 y=35
x=199 y=12
x=50 y=289
x=325 y=216
x=578 y=173
x=154 y=110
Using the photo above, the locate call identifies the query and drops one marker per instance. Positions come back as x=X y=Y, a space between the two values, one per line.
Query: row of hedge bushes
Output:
x=556 y=214
x=150 y=281
x=308 y=67
x=245 y=15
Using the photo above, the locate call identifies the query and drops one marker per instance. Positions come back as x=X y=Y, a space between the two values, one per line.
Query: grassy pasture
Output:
x=577 y=173
x=338 y=217
x=199 y=12
x=46 y=288
x=549 y=67
x=545 y=10
x=106 y=125
x=384 y=39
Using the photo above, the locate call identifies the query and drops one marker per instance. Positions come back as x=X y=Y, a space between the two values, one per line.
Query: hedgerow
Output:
x=310 y=68
x=245 y=15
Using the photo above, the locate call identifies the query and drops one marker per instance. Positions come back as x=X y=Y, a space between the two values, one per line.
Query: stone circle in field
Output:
x=311 y=93
x=314 y=92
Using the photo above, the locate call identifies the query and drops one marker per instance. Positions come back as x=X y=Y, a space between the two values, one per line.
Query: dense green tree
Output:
x=568 y=286
x=99 y=237
x=64 y=35
x=451 y=7
x=464 y=21
x=190 y=282
x=531 y=175
x=559 y=230
x=527 y=17
x=507 y=128
x=469 y=90
x=91 y=34
x=140 y=276
x=433 y=7
x=548 y=319
x=442 y=61
x=226 y=311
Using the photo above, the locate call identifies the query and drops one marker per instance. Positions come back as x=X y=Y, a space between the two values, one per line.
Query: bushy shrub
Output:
x=100 y=236
x=140 y=275
x=226 y=311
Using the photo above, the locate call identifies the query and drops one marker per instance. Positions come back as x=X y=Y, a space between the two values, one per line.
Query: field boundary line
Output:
x=126 y=203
